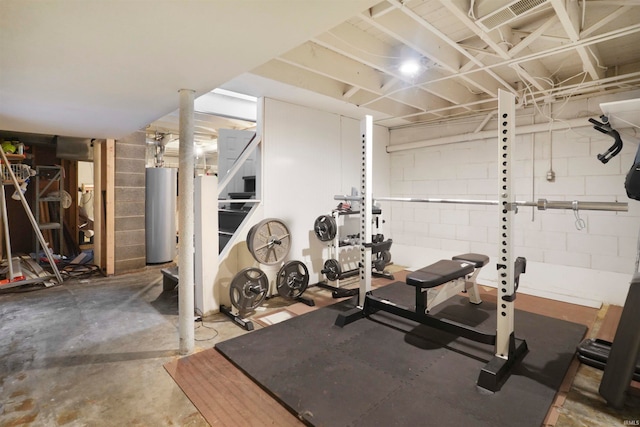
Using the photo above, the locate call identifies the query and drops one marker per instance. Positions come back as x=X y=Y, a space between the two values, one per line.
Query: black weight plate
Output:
x=325 y=228
x=293 y=279
x=386 y=256
x=248 y=289
x=332 y=269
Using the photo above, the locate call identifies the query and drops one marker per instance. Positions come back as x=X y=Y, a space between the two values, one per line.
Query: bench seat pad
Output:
x=479 y=260
x=440 y=272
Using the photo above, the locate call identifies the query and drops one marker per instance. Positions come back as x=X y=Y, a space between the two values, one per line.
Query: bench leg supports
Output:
x=349 y=316
x=471 y=287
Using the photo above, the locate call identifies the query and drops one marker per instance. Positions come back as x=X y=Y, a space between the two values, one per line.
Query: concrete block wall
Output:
x=588 y=265
x=130 y=251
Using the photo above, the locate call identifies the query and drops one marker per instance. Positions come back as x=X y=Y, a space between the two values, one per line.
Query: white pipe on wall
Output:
x=474 y=136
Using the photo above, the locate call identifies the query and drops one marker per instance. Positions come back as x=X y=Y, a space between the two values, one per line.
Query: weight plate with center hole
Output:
x=293 y=279
x=379 y=264
x=248 y=289
x=325 y=228
x=332 y=269
x=269 y=241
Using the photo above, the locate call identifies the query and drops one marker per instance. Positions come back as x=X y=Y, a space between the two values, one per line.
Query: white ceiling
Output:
x=107 y=68
x=104 y=69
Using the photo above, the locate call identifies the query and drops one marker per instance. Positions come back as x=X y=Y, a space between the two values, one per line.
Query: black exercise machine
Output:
x=618 y=359
x=606 y=128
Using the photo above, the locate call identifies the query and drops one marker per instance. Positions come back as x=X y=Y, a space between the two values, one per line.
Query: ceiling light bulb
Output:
x=410 y=67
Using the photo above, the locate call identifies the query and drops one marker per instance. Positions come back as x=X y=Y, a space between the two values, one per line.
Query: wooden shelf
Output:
x=14 y=157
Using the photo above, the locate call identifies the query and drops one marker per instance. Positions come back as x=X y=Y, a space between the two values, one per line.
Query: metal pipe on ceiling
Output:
x=474 y=136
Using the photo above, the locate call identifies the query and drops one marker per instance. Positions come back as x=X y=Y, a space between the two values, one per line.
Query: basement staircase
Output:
x=231 y=216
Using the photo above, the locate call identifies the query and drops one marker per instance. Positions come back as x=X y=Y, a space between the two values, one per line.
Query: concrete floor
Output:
x=91 y=353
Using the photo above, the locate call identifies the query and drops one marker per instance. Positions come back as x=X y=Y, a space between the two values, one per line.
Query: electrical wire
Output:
x=527 y=86
x=80 y=271
x=596 y=59
x=84 y=200
x=203 y=324
x=471 y=14
x=566 y=101
x=502 y=40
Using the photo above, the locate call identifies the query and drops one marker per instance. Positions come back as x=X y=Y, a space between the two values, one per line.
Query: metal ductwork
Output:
x=508 y=13
x=70 y=148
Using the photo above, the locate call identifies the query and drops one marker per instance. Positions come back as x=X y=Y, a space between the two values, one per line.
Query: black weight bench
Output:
x=442 y=280
x=435 y=284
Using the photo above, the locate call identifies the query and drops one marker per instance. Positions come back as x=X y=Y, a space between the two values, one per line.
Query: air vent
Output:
x=508 y=13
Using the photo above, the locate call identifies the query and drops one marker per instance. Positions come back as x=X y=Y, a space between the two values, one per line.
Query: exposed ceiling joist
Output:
x=608 y=18
x=360 y=46
x=532 y=37
x=499 y=41
x=568 y=13
x=545 y=51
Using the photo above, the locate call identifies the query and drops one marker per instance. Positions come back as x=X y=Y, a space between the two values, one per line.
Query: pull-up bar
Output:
x=541 y=204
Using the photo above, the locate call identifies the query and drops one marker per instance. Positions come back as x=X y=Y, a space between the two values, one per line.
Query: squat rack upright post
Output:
x=507 y=349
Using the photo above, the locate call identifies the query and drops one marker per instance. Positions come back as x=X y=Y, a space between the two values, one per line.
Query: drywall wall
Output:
x=309 y=156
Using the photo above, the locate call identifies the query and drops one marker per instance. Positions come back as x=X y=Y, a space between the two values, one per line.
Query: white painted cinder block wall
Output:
x=588 y=266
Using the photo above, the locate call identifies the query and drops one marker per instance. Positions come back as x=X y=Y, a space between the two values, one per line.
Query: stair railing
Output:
x=237 y=165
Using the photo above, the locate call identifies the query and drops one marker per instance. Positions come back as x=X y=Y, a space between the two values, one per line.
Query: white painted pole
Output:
x=185 y=224
x=366 y=207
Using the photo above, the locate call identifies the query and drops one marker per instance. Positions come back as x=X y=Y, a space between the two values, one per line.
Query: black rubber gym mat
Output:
x=388 y=371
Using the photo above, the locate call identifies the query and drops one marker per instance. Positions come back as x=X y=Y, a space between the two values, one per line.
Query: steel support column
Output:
x=185 y=223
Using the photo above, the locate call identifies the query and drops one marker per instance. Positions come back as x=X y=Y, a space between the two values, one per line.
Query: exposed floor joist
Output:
x=549 y=50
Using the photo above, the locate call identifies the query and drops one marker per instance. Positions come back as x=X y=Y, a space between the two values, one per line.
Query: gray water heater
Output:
x=160 y=214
